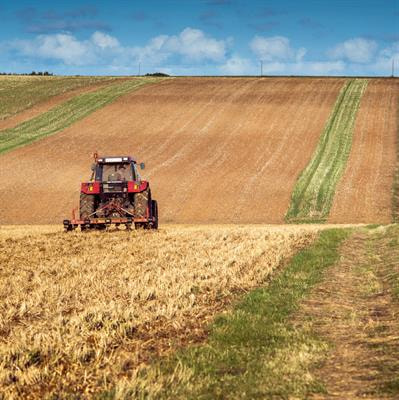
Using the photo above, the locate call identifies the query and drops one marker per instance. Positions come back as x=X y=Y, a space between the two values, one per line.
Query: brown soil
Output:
x=364 y=193
x=44 y=106
x=354 y=311
x=216 y=149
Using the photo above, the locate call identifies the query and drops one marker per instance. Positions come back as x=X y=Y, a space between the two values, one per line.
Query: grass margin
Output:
x=253 y=351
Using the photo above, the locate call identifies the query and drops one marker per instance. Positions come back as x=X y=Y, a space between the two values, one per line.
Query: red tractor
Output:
x=115 y=195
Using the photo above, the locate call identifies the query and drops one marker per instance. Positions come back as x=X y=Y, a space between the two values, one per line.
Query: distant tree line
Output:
x=40 y=73
x=157 y=74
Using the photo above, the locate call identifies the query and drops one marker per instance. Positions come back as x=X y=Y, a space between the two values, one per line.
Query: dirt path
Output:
x=217 y=150
x=46 y=105
x=353 y=309
x=364 y=192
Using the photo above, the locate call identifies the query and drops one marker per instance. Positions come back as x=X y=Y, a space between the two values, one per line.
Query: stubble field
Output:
x=85 y=311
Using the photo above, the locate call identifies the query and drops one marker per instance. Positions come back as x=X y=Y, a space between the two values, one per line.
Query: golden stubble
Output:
x=80 y=312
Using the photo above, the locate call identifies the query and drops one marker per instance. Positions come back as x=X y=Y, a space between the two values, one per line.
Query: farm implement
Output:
x=115 y=195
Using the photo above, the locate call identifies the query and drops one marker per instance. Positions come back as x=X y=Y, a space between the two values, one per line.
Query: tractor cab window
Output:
x=136 y=173
x=115 y=172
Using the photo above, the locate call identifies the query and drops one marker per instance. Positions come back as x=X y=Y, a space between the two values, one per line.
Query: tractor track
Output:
x=354 y=310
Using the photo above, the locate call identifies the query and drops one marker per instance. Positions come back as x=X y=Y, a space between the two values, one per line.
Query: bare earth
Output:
x=364 y=193
x=217 y=149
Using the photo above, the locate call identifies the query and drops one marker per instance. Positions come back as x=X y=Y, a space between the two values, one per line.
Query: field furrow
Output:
x=314 y=191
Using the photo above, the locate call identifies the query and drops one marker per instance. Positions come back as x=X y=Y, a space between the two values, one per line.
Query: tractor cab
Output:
x=116 y=169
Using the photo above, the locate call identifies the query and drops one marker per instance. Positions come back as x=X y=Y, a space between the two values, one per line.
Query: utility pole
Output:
x=393 y=67
x=261 y=67
x=139 y=68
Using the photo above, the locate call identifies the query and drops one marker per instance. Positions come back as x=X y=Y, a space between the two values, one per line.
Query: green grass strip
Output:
x=254 y=351
x=313 y=193
x=18 y=93
x=64 y=115
x=395 y=186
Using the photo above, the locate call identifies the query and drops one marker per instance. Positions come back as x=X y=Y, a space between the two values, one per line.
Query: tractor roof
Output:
x=115 y=159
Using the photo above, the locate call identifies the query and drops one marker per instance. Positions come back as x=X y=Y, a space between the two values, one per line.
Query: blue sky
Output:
x=200 y=37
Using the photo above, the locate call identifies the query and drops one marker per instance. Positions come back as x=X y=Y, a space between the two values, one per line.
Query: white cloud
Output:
x=300 y=54
x=280 y=58
x=319 y=68
x=66 y=48
x=304 y=68
x=103 y=40
x=193 y=52
x=62 y=47
x=275 y=48
x=190 y=45
x=196 y=46
x=386 y=55
x=357 y=50
x=153 y=52
x=382 y=64
x=236 y=65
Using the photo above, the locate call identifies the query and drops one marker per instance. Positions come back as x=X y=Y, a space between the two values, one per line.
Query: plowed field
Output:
x=364 y=193
x=216 y=149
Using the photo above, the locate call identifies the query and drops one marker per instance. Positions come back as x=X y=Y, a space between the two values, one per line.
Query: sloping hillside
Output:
x=217 y=149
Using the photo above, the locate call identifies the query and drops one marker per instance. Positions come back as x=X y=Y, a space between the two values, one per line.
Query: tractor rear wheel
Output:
x=154 y=210
x=87 y=205
x=141 y=203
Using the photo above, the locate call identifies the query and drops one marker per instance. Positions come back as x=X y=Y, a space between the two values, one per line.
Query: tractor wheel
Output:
x=154 y=209
x=141 y=203
x=87 y=205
